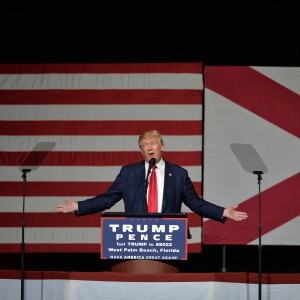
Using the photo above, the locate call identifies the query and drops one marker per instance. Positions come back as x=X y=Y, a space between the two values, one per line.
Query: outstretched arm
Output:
x=233 y=214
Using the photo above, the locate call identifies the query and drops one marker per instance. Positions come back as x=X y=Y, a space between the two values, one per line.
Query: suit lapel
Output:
x=140 y=180
x=167 y=185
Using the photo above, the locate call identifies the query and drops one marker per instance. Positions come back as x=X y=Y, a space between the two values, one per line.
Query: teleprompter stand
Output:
x=251 y=162
x=31 y=163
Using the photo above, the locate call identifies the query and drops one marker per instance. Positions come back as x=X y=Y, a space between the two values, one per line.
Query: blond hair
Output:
x=150 y=133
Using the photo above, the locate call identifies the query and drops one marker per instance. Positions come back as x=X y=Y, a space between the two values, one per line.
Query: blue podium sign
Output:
x=145 y=236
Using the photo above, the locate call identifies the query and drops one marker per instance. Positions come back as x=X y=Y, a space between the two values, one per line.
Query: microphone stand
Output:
x=259 y=178
x=25 y=171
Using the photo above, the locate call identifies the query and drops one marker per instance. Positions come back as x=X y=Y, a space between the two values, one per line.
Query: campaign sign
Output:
x=143 y=237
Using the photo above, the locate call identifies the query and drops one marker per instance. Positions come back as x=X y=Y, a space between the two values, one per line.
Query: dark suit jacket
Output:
x=129 y=185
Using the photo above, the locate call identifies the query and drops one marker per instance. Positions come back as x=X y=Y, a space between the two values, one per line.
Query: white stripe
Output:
x=44 y=204
x=100 y=112
x=185 y=209
x=97 y=143
x=289 y=77
x=101 y=81
x=36 y=235
x=85 y=174
x=286 y=234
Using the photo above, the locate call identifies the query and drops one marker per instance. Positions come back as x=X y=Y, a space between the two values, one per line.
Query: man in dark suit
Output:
x=174 y=188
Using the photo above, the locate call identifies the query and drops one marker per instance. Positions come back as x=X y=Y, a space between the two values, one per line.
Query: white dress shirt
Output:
x=160 y=174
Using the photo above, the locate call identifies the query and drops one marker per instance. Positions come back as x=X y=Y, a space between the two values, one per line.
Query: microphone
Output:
x=152 y=162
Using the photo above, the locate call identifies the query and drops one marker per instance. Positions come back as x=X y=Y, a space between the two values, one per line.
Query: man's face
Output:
x=152 y=147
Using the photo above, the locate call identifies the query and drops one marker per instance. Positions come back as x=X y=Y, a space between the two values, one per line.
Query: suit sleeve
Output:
x=198 y=205
x=103 y=201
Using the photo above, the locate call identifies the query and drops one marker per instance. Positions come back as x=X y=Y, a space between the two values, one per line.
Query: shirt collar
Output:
x=160 y=164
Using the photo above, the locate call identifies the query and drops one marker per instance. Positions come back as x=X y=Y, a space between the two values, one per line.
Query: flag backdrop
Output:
x=259 y=106
x=94 y=113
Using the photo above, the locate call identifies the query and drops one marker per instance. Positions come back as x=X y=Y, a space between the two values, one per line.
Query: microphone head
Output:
x=152 y=162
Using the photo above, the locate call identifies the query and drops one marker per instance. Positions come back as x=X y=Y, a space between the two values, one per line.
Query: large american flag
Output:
x=94 y=114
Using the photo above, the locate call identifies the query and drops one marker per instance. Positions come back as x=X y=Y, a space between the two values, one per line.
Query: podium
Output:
x=144 y=241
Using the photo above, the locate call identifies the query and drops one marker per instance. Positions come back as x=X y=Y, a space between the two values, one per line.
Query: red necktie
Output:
x=153 y=194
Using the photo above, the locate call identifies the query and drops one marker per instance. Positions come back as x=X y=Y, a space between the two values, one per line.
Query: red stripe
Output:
x=69 y=248
x=102 y=68
x=49 y=248
x=194 y=220
x=279 y=205
x=52 y=219
x=61 y=189
x=100 y=97
x=116 y=158
x=264 y=94
x=194 y=248
x=98 y=127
